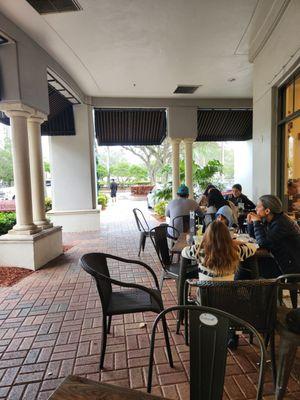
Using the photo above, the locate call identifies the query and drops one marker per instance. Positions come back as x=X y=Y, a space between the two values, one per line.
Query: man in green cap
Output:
x=181 y=206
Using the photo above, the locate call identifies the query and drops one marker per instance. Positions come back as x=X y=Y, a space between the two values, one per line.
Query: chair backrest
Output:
x=95 y=264
x=140 y=220
x=251 y=300
x=159 y=236
x=182 y=223
x=209 y=331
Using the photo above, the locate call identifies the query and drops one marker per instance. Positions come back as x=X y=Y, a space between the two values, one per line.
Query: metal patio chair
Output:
x=254 y=301
x=209 y=330
x=289 y=340
x=136 y=299
x=143 y=228
x=170 y=270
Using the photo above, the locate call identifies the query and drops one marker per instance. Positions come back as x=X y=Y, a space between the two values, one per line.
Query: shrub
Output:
x=7 y=221
x=165 y=193
x=103 y=200
x=48 y=204
x=160 y=208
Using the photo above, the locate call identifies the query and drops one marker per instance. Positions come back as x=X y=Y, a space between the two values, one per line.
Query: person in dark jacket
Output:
x=238 y=197
x=275 y=231
x=113 y=190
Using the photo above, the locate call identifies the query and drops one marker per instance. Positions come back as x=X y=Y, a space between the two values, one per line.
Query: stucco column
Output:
x=188 y=148
x=37 y=171
x=20 y=154
x=175 y=166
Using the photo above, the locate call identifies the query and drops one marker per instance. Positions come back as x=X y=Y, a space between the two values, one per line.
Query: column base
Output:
x=29 y=229
x=31 y=251
x=76 y=220
x=43 y=224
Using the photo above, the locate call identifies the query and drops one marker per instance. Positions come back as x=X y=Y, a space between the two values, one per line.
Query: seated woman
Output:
x=215 y=202
x=218 y=256
x=203 y=199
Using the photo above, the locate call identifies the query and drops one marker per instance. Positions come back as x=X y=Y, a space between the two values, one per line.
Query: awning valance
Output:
x=224 y=125
x=61 y=118
x=138 y=126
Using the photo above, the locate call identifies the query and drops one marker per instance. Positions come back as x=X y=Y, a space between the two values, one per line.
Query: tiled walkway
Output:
x=51 y=323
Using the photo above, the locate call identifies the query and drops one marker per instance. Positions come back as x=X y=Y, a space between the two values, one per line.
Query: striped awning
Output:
x=138 y=126
x=224 y=125
x=61 y=118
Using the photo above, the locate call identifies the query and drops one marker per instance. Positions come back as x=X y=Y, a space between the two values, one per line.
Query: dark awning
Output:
x=4 y=119
x=61 y=118
x=224 y=125
x=138 y=126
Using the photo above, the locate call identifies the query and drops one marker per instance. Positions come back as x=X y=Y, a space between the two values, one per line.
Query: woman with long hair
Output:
x=218 y=255
x=216 y=202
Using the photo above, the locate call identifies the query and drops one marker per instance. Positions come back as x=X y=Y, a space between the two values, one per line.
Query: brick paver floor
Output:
x=51 y=325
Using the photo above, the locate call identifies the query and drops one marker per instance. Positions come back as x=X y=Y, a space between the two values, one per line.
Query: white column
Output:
x=175 y=166
x=20 y=154
x=37 y=171
x=188 y=148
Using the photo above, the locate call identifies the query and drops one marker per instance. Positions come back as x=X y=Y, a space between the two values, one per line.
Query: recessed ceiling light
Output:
x=231 y=79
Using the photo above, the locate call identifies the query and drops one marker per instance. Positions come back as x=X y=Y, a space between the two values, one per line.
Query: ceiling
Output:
x=143 y=48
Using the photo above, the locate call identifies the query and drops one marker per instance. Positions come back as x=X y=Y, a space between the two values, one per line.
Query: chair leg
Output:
x=103 y=342
x=273 y=358
x=169 y=352
x=251 y=337
x=150 y=368
x=186 y=327
x=161 y=281
x=266 y=339
x=294 y=297
x=109 y=323
x=142 y=243
x=287 y=352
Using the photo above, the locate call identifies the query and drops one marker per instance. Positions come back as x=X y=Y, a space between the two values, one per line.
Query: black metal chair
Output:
x=289 y=340
x=137 y=298
x=170 y=270
x=254 y=301
x=143 y=228
x=208 y=333
x=182 y=223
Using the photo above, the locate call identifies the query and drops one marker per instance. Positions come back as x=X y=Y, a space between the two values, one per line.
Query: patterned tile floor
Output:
x=50 y=325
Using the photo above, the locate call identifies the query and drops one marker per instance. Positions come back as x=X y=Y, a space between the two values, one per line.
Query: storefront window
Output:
x=292 y=166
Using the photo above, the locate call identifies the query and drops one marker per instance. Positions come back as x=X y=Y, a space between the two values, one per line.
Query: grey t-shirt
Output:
x=180 y=206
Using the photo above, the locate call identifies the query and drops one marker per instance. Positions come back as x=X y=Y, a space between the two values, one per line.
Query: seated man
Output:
x=181 y=206
x=238 y=197
x=275 y=231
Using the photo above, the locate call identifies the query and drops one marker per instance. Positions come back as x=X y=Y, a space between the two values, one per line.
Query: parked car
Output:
x=151 y=199
x=7 y=193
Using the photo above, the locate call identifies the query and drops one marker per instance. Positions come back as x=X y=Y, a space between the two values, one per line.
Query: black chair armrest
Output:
x=134 y=286
x=142 y=264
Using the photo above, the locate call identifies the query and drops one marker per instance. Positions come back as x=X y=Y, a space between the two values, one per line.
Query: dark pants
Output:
x=248 y=269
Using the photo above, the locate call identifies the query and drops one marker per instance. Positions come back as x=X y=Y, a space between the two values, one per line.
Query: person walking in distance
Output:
x=113 y=190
